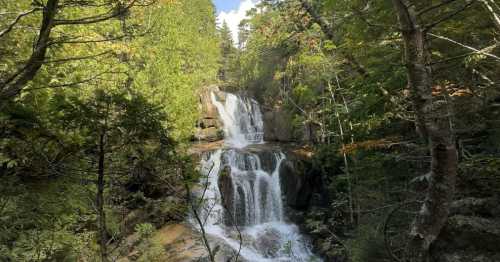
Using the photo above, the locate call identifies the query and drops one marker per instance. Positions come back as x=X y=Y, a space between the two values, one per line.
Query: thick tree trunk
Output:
x=433 y=125
x=101 y=215
x=13 y=85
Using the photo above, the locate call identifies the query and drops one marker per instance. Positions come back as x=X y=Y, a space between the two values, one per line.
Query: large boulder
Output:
x=209 y=126
x=210 y=134
x=472 y=233
x=208 y=109
x=464 y=256
x=311 y=132
x=226 y=189
x=300 y=183
x=209 y=122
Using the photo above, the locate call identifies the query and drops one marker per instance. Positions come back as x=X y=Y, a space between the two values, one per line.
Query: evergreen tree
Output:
x=227 y=71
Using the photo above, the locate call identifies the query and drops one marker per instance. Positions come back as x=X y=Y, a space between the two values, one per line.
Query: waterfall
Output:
x=242 y=119
x=243 y=191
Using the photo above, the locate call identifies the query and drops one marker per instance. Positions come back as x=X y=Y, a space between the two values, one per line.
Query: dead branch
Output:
x=196 y=215
x=479 y=51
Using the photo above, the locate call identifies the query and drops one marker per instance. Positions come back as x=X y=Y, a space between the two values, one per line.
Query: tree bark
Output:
x=15 y=83
x=101 y=215
x=434 y=127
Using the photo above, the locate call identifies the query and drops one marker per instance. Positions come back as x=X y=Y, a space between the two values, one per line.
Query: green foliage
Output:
x=39 y=220
x=229 y=65
x=368 y=245
x=287 y=248
x=154 y=252
x=144 y=230
x=178 y=61
x=136 y=90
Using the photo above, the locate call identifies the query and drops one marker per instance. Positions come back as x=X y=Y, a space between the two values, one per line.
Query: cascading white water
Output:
x=244 y=194
x=242 y=119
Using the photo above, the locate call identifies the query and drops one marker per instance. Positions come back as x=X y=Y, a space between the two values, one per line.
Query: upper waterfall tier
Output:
x=242 y=119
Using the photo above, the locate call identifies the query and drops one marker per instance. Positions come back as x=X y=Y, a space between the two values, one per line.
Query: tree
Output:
x=73 y=129
x=433 y=122
x=59 y=14
x=328 y=30
x=228 y=54
x=176 y=62
x=111 y=123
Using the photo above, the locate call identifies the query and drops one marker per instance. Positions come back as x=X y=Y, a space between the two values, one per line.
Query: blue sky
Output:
x=232 y=12
x=226 y=5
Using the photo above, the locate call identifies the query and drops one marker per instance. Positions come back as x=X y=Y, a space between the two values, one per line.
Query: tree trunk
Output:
x=434 y=127
x=346 y=161
x=101 y=215
x=15 y=83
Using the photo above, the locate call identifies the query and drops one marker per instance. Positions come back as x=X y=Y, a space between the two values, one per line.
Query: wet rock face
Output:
x=267 y=160
x=208 y=110
x=227 y=191
x=300 y=184
x=210 y=134
x=209 y=126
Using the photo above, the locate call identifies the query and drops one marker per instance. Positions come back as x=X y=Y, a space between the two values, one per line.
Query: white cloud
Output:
x=234 y=17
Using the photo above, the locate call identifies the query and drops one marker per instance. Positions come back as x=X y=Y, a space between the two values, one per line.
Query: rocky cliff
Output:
x=209 y=126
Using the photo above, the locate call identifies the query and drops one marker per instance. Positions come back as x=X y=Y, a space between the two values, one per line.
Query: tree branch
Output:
x=17 y=19
x=449 y=16
x=327 y=29
x=494 y=10
x=103 y=17
x=479 y=51
x=430 y=8
x=77 y=58
x=14 y=84
x=84 y=81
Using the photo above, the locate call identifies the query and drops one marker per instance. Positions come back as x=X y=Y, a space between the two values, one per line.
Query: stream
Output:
x=243 y=208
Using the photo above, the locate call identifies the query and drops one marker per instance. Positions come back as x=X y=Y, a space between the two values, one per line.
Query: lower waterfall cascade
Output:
x=243 y=202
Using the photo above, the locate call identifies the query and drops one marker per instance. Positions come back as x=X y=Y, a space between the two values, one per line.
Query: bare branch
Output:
x=18 y=18
x=93 y=41
x=78 y=58
x=196 y=215
x=97 y=18
x=494 y=10
x=83 y=81
x=479 y=51
x=112 y=13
